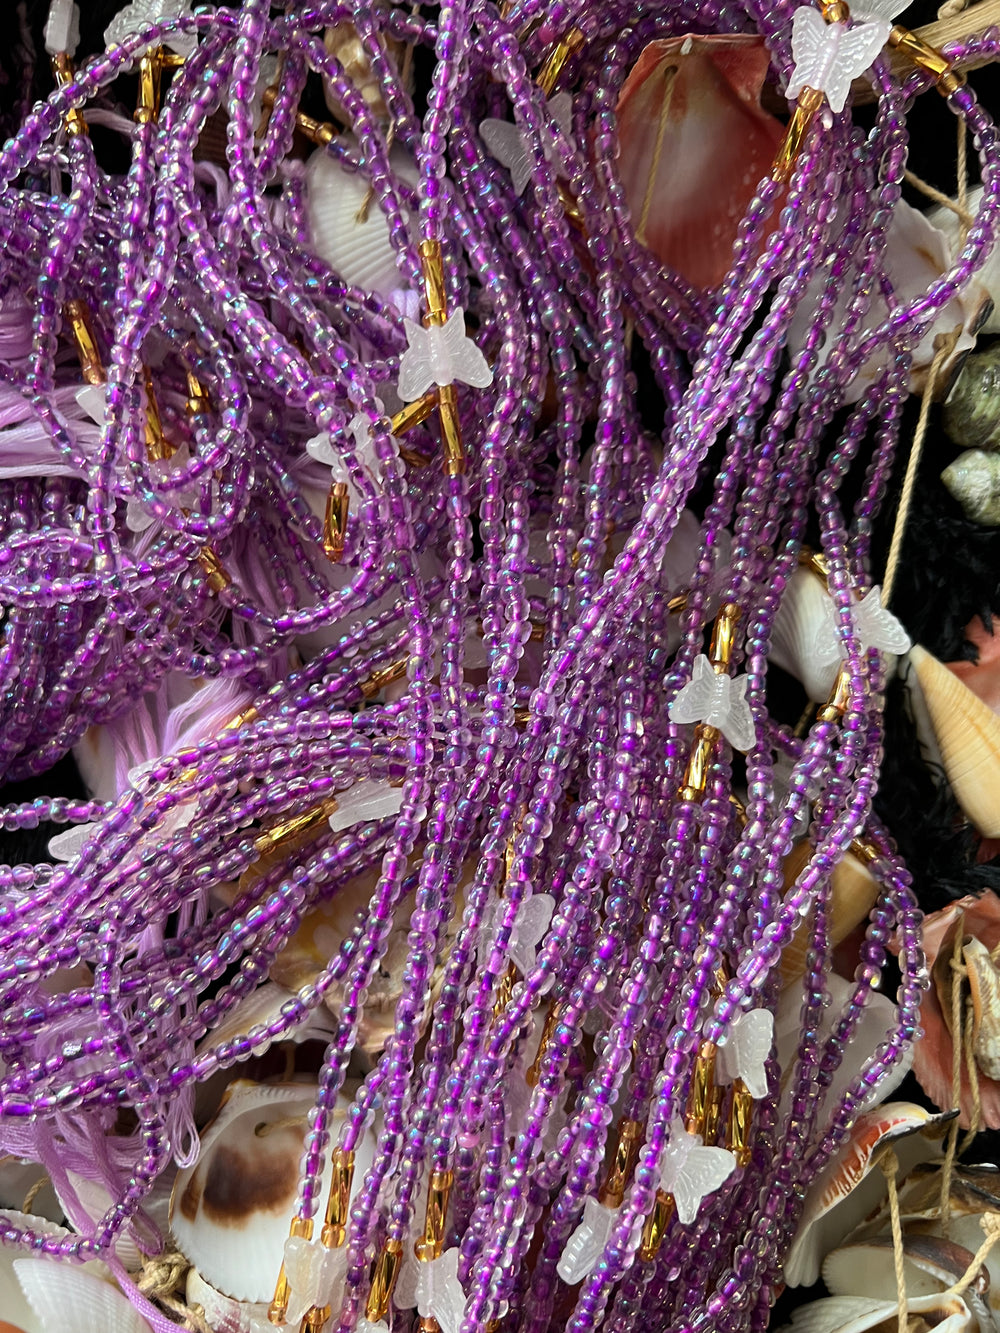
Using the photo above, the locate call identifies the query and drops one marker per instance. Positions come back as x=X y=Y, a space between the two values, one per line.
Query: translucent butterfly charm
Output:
x=62 y=30
x=68 y=845
x=141 y=14
x=691 y=1172
x=718 y=700
x=314 y=1273
x=432 y=1286
x=530 y=925
x=91 y=399
x=507 y=144
x=876 y=628
x=321 y=448
x=745 y=1053
x=830 y=56
x=366 y=1326
x=137 y=519
x=586 y=1245
x=440 y=355
x=366 y=801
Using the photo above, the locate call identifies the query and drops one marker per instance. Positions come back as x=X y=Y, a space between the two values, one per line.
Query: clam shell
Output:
x=230 y=1213
x=222 y=1313
x=974 y=481
x=847 y=1190
x=968 y=736
x=56 y=1291
x=858 y=1314
x=931 y=1264
x=853 y=891
x=947 y=221
x=800 y=636
x=360 y=252
x=972 y=410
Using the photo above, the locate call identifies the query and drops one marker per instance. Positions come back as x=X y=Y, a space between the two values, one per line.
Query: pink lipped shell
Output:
x=694 y=144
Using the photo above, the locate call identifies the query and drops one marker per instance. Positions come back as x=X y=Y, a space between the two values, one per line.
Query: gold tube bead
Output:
x=700 y=1094
x=720 y=654
x=612 y=1192
x=504 y=991
x=318 y=132
x=927 y=58
x=314 y=1319
x=566 y=47
x=198 y=404
x=413 y=414
x=549 y=1027
x=840 y=697
x=77 y=316
x=713 y=1115
x=740 y=1123
x=300 y=1226
x=62 y=70
x=216 y=577
x=338 y=504
x=384 y=676
x=309 y=821
x=656 y=1226
x=451 y=431
x=571 y=207
x=241 y=719
x=158 y=447
x=835 y=11
x=432 y=263
x=384 y=1276
x=699 y=762
x=431 y=1243
x=338 y=1201
x=150 y=69
x=810 y=101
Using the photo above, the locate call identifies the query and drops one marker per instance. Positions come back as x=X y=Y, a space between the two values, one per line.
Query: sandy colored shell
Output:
x=847 y=1190
x=974 y=481
x=968 y=737
x=853 y=891
x=230 y=1212
x=972 y=411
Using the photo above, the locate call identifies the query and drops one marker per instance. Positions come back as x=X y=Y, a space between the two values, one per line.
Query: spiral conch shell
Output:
x=974 y=481
x=967 y=732
x=972 y=410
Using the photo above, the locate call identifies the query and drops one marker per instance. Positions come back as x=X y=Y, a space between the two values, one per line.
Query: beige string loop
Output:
x=990 y=1222
x=33 y=1193
x=162 y=1274
x=958 y=973
x=889 y=1163
x=939 y=197
x=943 y=346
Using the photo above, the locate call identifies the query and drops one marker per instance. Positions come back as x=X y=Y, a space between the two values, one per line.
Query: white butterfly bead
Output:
x=142 y=14
x=745 y=1053
x=68 y=845
x=321 y=448
x=586 y=1245
x=875 y=626
x=313 y=1272
x=830 y=56
x=530 y=925
x=364 y=802
x=509 y=146
x=62 y=30
x=691 y=1172
x=432 y=1286
x=719 y=701
x=440 y=355
x=367 y=1326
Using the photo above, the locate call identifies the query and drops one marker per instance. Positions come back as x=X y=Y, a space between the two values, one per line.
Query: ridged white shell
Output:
x=967 y=732
x=798 y=632
x=93 y=1200
x=359 y=252
x=222 y=1313
x=64 y=1297
x=230 y=1212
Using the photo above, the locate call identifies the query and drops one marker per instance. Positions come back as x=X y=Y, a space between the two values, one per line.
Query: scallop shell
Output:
x=13 y=1303
x=968 y=736
x=847 y=1189
x=55 y=1291
x=853 y=891
x=231 y=1212
x=222 y=1313
x=800 y=637
x=360 y=252
x=93 y=1200
x=974 y=481
x=972 y=411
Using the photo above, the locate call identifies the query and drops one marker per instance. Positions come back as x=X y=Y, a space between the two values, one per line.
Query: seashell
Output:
x=13 y=1303
x=967 y=733
x=853 y=891
x=931 y=1264
x=53 y=1290
x=858 y=1314
x=974 y=481
x=343 y=43
x=230 y=1213
x=847 y=1189
x=694 y=143
x=972 y=410
x=359 y=251
x=800 y=636
x=947 y=221
x=92 y=1200
x=222 y=1313
x=260 y=1008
